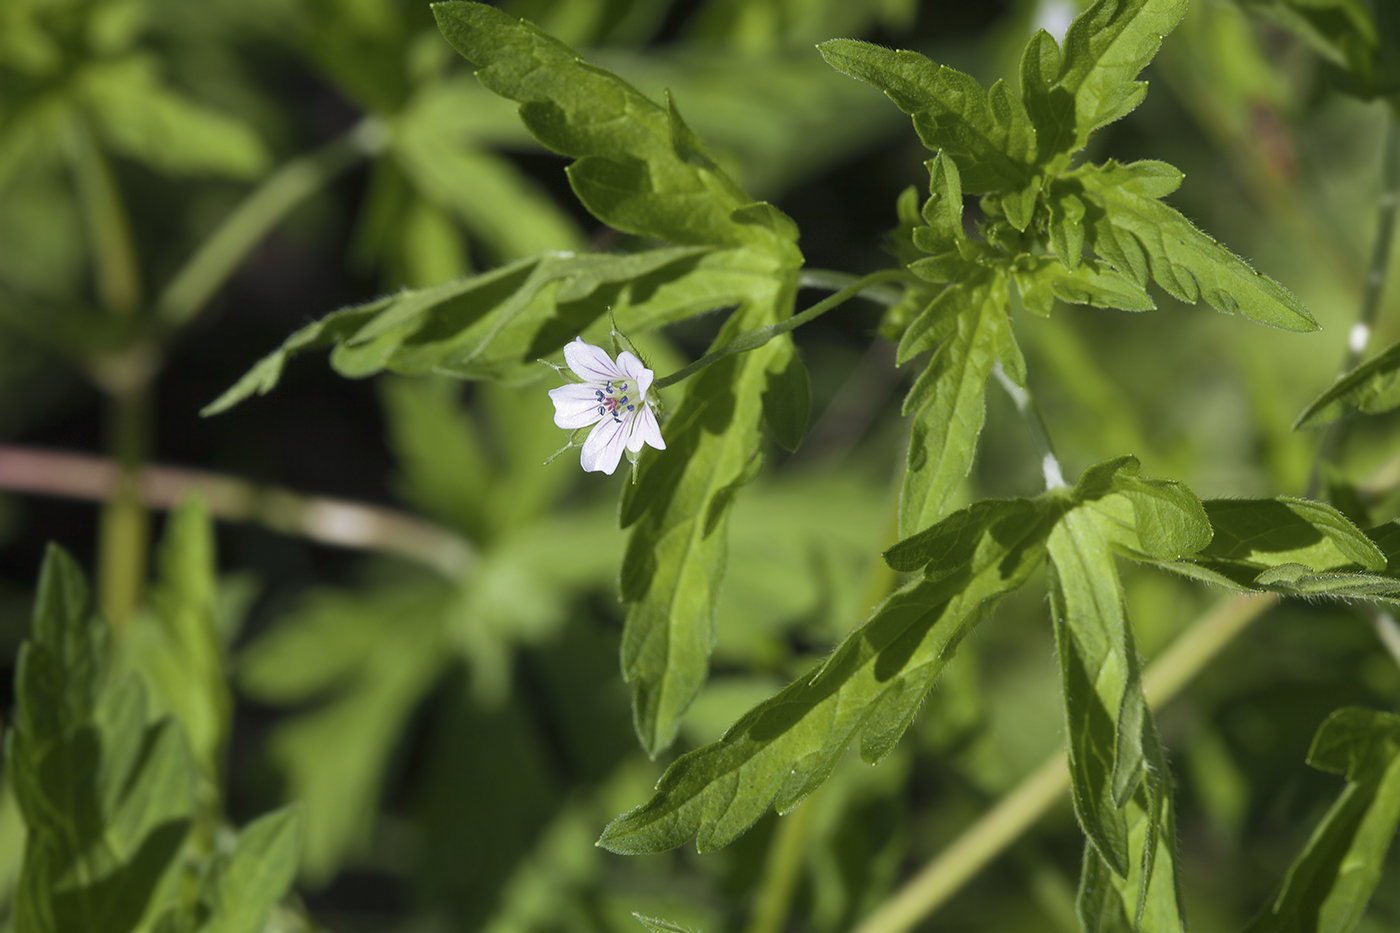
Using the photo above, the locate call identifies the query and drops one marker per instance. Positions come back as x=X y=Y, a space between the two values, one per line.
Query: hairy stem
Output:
x=1376 y=274
x=943 y=877
x=225 y=249
x=325 y=520
x=1040 y=433
x=753 y=339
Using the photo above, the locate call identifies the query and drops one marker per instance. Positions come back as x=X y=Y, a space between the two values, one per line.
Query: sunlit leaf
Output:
x=1372 y=388
x=1126 y=225
x=783 y=749
x=1333 y=878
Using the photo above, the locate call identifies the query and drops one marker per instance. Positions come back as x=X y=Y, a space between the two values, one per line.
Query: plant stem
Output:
x=123 y=532
x=753 y=339
x=325 y=520
x=1376 y=274
x=225 y=249
x=1040 y=433
x=943 y=877
x=116 y=273
x=786 y=855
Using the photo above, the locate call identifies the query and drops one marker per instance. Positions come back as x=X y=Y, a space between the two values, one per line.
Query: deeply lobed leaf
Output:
x=640 y=168
x=1126 y=225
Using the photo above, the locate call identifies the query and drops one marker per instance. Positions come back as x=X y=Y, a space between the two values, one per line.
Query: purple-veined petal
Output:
x=633 y=367
x=645 y=430
x=590 y=363
x=575 y=406
x=603 y=449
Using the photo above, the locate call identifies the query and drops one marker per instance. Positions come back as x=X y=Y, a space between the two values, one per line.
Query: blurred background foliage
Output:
x=183 y=184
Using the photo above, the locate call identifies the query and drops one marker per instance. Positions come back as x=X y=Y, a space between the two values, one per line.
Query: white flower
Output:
x=612 y=394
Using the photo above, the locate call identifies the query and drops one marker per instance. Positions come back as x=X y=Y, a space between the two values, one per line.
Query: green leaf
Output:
x=871 y=686
x=1128 y=226
x=175 y=647
x=1333 y=878
x=1373 y=388
x=987 y=133
x=497 y=202
x=241 y=887
x=965 y=323
x=1288 y=545
x=1120 y=783
x=1042 y=279
x=107 y=798
x=640 y=169
x=1094 y=85
x=368 y=658
x=497 y=324
x=140 y=117
x=675 y=558
x=942 y=235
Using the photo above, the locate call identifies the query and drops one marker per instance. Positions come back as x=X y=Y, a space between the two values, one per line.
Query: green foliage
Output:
x=108 y=793
x=107 y=796
x=1360 y=40
x=1333 y=878
x=1372 y=388
x=871 y=686
x=1121 y=784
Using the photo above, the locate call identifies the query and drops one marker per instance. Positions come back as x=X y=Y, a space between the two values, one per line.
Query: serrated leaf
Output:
x=1041 y=279
x=639 y=167
x=782 y=749
x=942 y=234
x=947 y=400
x=1104 y=50
x=1121 y=786
x=1292 y=546
x=676 y=555
x=107 y=798
x=241 y=886
x=498 y=324
x=1126 y=225
x=1333 y=878
x=1372 y=388
x=986 y=132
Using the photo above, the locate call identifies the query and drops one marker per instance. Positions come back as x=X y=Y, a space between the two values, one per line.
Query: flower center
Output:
x=613 y=400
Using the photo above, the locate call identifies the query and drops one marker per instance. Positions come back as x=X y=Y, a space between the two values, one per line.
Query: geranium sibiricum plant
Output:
x=1026 y=227
x=614 y=398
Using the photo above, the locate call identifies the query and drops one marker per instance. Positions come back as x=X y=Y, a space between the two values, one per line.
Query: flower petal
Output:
x=645 y=430
x=575 y=406
x=591 y=363
x=603 y=449
x=633 y=367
